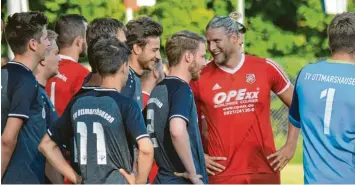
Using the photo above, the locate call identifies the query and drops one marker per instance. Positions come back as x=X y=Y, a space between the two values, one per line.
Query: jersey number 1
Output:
x=329 y=94
x=100 y=143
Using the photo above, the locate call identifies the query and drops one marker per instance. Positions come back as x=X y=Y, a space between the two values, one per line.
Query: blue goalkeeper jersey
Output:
x=323 y=107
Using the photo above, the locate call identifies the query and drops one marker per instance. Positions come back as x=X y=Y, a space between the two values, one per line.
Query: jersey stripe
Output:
x=18 y=115
x=278 y=69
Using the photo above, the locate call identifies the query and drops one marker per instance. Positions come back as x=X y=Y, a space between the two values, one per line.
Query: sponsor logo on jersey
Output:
x=250 y=78
x=235 y=95
x=216 y=87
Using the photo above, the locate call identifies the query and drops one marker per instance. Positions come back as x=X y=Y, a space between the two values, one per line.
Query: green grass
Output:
x=292 y=174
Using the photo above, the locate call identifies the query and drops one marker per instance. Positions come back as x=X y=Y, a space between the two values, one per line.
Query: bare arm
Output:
x=53 y=154
x=181 y=142
x=286 y=96
x=53 y=175
x=9 y=141
x=145 y=159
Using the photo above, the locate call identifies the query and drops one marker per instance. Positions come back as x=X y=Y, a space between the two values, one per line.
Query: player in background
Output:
x=101 y=28
x=22 y=121
x=165 y=66
x=172 y=117
x=233 y=94
x=323 y=107
x=103 y=122
x=71 y=30
x=143 y=38
x=46 y=69
x=150 y=78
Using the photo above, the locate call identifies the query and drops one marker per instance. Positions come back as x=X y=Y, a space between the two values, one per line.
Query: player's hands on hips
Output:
x=282 y=157
x=130 y=177
x=212 y=166
x=194 y=178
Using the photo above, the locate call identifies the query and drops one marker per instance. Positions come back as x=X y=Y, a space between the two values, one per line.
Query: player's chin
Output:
x=196 y=76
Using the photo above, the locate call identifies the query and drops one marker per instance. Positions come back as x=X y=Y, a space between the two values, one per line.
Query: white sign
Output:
x=334 y=6
x=146 y=2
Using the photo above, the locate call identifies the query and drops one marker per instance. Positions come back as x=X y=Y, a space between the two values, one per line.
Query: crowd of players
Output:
x=131 y=121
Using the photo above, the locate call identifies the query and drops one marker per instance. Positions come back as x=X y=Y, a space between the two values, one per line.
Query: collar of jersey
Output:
x=232 y=71
x=175 y=77
x=20 y=64
x=339 y=61
x=66 y=57
x=105 y=89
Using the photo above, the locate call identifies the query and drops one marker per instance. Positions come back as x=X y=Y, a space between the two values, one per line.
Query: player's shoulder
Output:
x=315 y=65
x=18 y=73
x=68 y=66
x=176 y=85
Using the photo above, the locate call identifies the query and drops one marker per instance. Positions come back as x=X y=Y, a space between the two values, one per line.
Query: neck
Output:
x=70 y=52
x=148 y=85
x=344 y=57
x=112 y=82
x=41 y=79
x=134 y=64
x=95 y=80
x=233 y=60
x=180 y=72
x=28 y=60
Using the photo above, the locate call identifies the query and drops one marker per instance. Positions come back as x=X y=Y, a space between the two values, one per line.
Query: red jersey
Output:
x=236 y=105
x=145 y=98
x=66 y=83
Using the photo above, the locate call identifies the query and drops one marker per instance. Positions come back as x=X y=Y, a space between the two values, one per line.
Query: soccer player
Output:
x=71 y=40
x=101 y=28
x=150 y=78
x=103 y=123
x=22 y=121
x=172 y=117
x=46 y=69
x=233 y=94
x=323 y=107
x=143 y=38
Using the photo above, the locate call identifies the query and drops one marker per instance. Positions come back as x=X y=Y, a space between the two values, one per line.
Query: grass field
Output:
x=292 y=174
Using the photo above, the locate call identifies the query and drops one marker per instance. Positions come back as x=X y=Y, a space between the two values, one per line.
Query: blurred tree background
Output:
x=292 y=32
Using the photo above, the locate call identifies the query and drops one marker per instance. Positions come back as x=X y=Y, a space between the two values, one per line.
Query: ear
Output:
x=156 y=74
x=78 y=41
x=137 y=49
x=42 y=63
x=32 y=44
x=189 y=56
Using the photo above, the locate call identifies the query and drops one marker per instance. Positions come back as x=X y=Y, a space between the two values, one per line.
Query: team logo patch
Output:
x=250 y=78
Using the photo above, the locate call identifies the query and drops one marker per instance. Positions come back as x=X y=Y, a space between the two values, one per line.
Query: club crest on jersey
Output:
x=250 y=78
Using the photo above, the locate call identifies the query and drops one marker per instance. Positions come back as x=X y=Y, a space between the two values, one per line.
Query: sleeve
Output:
x=134 y=121
x=62 y=131
x=82 y=74
x=22 y=94
x=277 y=77
x=180 y=103
x=294 y=113
x=52 y=114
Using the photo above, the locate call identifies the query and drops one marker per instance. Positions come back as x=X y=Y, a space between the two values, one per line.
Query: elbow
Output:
x=145 y=147
x=45 y=144
x=177 y=132
x=8 y=142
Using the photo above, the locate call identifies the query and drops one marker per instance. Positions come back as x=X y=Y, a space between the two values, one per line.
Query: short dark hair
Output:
x=138 y=31
x=341 y=33
x=22 y=27
x=181 y=42
x=110 y=54
x=68 y=28
x=101 y=28
x=52 y=35
x=230 y=23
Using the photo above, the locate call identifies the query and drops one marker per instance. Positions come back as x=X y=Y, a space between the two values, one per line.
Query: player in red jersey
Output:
x=71 y=31
x=150 y=78
x=233 y=94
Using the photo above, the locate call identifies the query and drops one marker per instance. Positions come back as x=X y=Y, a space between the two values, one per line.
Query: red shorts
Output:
x=153 y=172
x=257 y=178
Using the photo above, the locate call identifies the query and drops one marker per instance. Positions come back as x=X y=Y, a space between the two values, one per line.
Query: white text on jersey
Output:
x=97 y=111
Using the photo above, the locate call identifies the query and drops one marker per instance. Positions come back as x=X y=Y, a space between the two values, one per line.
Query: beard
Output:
x=194 y=70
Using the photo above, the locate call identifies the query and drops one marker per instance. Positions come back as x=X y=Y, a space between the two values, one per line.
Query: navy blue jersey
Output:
x=133 y=88
x=103 y=123
x=20 y=98
x=169 y=99
x=49 y=111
